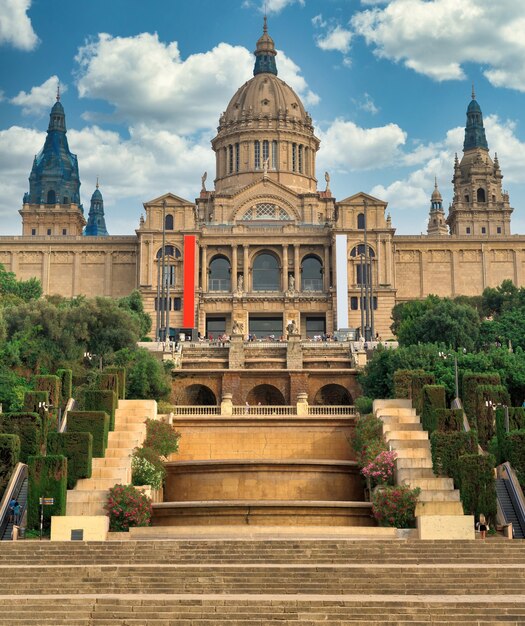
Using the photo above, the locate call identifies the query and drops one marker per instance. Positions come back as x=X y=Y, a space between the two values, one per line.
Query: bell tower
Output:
x=437 y=225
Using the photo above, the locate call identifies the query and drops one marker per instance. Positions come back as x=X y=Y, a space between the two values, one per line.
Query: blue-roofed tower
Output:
x=96 y=224
x=52 y=206
x=480 y=207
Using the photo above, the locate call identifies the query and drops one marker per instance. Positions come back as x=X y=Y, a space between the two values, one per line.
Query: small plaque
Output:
x=77 y=534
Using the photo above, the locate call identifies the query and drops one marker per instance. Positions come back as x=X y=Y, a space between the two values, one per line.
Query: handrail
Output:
x=18 y=476
x=265 y=410
x=515 y=494
x=70 y=406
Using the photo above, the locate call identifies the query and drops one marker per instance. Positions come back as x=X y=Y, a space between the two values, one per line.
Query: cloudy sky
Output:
x=387 y=83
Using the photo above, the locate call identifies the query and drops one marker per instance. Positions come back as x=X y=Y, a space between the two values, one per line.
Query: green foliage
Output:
x=12 y=389
x=161 y=437
x=99 y=400
x=367 y=439
x=449 y=420
x=478 y=485
x=495 y=394
x=78 y=450
x=363 y=404
x=51 y=384
x=127 y=507
x=516 y=422
x=144 y=472
x=470 y=383
x=515 y=450
x=48 y=479
x=94 y=422
x=433 y=398
x=133 y=305
x=9 y=457
x=66 y=385
x=403 y=382
x=25 y=290
x=447 y=448
x=395 y=506
x=108 y=381
x=147 y=378
x=32 y=400
x=417 y=383
x=28 y=427
x=121 y=373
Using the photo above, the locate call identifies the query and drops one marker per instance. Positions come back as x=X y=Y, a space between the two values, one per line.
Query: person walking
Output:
x=482 y=526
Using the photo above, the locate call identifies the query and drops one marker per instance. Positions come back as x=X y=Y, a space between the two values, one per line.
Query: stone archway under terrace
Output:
x=333 y=395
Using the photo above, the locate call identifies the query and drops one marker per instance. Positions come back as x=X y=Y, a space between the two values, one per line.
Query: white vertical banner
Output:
x=341 y=284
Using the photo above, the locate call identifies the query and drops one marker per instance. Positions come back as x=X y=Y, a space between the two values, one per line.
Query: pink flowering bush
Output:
x=395 y=506
x=380 y=471
x=127 y=507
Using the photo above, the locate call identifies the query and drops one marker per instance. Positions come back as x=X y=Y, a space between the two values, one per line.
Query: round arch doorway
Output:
x=199 y=395
x=265 y=395
x=333 y=395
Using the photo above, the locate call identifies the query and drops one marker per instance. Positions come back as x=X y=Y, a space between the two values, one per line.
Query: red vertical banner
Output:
x=188 y=301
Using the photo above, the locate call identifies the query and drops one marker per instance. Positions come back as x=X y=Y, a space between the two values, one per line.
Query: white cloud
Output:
x=438 y=37
x=145 y=79
x=15 y=25
x=366 y=103
x=337 y=38
x=272 y=6
x=346 y=146
x=40 y=98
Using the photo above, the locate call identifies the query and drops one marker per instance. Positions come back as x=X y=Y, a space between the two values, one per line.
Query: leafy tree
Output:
x=146 y=376
x=134 y=305
x=25 y=290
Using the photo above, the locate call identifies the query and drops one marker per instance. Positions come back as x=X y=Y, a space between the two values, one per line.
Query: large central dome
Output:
x=265 y=128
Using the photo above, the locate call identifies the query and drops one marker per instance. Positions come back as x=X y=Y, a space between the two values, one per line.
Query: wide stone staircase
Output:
x=90 y=494
x=260 y=582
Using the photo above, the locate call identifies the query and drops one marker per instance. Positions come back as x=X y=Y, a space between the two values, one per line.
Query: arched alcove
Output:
x=266 y=395
x=199 y=395
x=333 y=395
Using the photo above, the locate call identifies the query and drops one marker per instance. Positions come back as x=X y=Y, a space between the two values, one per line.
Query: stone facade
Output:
x=265 y=232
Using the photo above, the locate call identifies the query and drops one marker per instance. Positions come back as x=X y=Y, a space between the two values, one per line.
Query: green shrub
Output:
x=48 y=479
x=367 y=438
x=32 y=400
x=144 y=472
x=364 y=405
x=9 y=457
x=395 y=506
x=51 y=384
x=101 y=400
x=94 y=422
x=127 y=507
x=108 y=381
x=515 y=448
x=121 y=373
x=470 y=382
x=516 y=422
x=78 y=450
x=433 y=397
x=28 y=427
x=403 y=382
x=66 y=385
x=161 y=437
x=495 y=394
x=447 y=448
x=418 y=382
x=449 y=420
x=478 y=485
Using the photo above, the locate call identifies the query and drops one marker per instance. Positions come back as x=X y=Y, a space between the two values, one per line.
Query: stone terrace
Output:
x=267 y=581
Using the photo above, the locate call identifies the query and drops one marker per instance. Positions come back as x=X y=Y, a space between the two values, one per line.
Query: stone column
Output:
x=204 y=269
x=77 y=261
x=227 y=404
x=297 y=268
x=285 y=267
x=247 y=281
x=14 y=263
x=294 y=353
x=302 y=404
x=517 y=267
x=389 y=261
x=234 y=268
x=453 y=269
x=483 y=267
x=326 y=273
x=108 y=266
x=46 y=255
x=150 y=254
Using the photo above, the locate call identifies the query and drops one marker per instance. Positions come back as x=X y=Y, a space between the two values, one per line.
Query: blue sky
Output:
x=143 y=84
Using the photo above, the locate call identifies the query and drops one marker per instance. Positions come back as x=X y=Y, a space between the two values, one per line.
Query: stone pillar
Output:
x=234 y=268
x=14 y=263
x=302 y=405
x=294 y=353
x=453 y=269
x=326 y=272
x=150 y=254
x=245 y=269
x=77 y=263
x=236 y=359
x=285 y=267
x=46 y=257
x=204 y=269
x=227 y=404
x=389 y=261
x=517 y=267
x=297 y=268
x=108 y=267
x=483 y=267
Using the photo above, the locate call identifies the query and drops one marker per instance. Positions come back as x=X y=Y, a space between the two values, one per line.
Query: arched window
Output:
x=220 y=274
x=275 y=155
x=168 y=222
x=312 y=274
x=480 y=195
x=266 y=274
x=169 y=251
x=257 y=154
x=360 y=249
x=294 y=157
x=230 y=159
x=51 y=197
x=266 y=150
x=301 y=159
x=361 y=221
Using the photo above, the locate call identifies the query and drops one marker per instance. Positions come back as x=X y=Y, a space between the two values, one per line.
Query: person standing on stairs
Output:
x=482 y=526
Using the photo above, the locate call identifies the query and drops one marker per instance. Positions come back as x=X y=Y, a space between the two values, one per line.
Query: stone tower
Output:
x=52 y=205
x=480 y=207
x=436 y=222
x=96 y=225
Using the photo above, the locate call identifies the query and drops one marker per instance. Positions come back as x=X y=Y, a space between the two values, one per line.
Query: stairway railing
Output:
x=515 y=492
x=14 y=485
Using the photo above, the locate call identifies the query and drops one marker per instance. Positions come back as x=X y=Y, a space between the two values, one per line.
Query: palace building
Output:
x=266 y=244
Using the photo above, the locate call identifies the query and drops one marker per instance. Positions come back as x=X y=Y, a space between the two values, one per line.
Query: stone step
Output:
x=439 y=508
x=413 y=453
x=118 y=453
x=107 y=462
x=398 y=444
x=121 y=472
x=397 y=426
x=406 y=435
x=439 y=495
x=401 y=419
x=413 y=463
x=404 y=476
x=120 y=438
x=429 y=483
x=98 y=484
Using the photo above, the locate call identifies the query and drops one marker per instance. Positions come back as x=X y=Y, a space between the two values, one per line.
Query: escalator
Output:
x=510 y=500
x=17 y=488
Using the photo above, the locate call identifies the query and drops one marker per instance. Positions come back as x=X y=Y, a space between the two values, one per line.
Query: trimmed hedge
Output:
x=516 y=422
x=478 y=485
x=121 y=373
x=497 y=394
x=515 y=448
x=417 y=384
x=48 y=479
x=50 y=384
x=94 y=422
x=9 y=457
x=33 y=398
x=78 y=450
x=403 y=382
x=470 y=382
x=28 y=426
x=433 y=398
x=102 y=400
x=108 y=381
x=447 y=448
x=66 y=386
x=449 y=420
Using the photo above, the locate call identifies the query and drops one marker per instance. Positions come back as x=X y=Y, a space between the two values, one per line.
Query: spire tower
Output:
x=437 y=225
